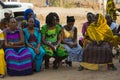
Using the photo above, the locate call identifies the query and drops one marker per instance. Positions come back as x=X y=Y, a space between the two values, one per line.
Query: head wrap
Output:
x=70 y=19
x=27 y=11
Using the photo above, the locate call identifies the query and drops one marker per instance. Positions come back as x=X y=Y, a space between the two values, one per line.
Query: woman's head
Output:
x=90 y=17
x=100 y=19
x=29 y=14
x=109 y=19
x=30 y=23
x=51 y=19
x=70 y=21
x=57 y=18
x=12 y=23
x=7 y=13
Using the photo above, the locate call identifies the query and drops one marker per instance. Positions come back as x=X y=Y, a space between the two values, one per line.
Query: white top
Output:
x=113 y=25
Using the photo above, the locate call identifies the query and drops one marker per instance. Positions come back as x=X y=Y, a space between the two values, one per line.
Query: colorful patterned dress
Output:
x=19 y=59
x=34 y=39
x=52 y=37
x=2 y=60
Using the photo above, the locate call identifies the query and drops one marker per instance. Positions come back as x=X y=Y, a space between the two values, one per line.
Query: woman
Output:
x=18 y=57
x=70 y=41
x=90 y=18
x=111 y=9
x=115 y=29
x=98 y=49
x=51 y=37
x=6 y=19
x=30 y=14
x=2 y=60
x=33 y=41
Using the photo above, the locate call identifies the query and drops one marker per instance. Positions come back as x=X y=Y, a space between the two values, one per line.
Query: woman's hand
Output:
x=71 y=45
x=11 y=43
x=37 y=51
x=75 y=44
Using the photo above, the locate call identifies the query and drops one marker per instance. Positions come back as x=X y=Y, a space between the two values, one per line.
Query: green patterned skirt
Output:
x=60 y=51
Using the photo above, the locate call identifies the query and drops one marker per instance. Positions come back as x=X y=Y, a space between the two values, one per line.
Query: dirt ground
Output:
x=65 y=72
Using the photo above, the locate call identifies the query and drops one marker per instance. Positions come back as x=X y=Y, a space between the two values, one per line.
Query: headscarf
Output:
x=70 y=19
x=100 y=31
x=111 y=9
x=27 y=11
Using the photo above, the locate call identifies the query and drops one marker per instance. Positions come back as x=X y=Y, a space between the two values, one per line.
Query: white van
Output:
x=17 y=8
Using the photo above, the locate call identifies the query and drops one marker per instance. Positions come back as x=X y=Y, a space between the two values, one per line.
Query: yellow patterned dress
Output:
x=111 y=9
x=2 y=60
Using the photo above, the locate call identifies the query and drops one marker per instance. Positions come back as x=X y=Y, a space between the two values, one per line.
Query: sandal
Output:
x=80 y=68
x=1 y=76
x=69 y=63
x=112 y=67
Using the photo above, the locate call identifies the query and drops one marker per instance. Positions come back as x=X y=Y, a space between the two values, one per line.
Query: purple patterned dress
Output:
x=19 y=60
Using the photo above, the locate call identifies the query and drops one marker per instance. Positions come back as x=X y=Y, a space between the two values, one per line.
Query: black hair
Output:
x=70 y=19
x=90 y=13
x=57 y=17
x=49 y=19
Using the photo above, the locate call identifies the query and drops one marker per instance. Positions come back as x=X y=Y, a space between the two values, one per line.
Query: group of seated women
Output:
x=27 y=46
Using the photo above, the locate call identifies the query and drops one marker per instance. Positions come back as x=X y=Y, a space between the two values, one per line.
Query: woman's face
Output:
x=12 y=23
x=31 y=22
x=90 y=17
x=7 y=15
x=54 y=22
x=96 y=18
x=109 y=19
x=30 y=15
x=70 y=25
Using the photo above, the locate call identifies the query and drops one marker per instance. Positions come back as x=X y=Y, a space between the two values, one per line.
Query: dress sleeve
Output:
x=43 y=30
x=59 y=29
x=38 y=35
x=1 y=35
x=25 y=35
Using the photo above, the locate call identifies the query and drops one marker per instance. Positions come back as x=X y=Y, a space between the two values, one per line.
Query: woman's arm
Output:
x=38 y=40
x=6 y=41
x=29 y=45
x=75 y=37
x=1 y=43
x=45 y=42
x=59 y=39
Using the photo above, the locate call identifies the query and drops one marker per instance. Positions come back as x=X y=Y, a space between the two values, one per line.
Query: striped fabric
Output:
x=19 y=60
x=97 y=54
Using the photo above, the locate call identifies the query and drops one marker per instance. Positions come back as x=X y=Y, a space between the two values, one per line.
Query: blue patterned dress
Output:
x=34 y=39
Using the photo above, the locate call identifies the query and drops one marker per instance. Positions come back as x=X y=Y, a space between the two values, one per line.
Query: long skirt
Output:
x=74 y=53
x=2 y=62
x=98 y=54
x=60 y=51
x=19 y=61
x=93 y=55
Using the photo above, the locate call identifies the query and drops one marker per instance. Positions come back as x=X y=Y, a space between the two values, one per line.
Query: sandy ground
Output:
x=65 y=72
x=71 y=73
